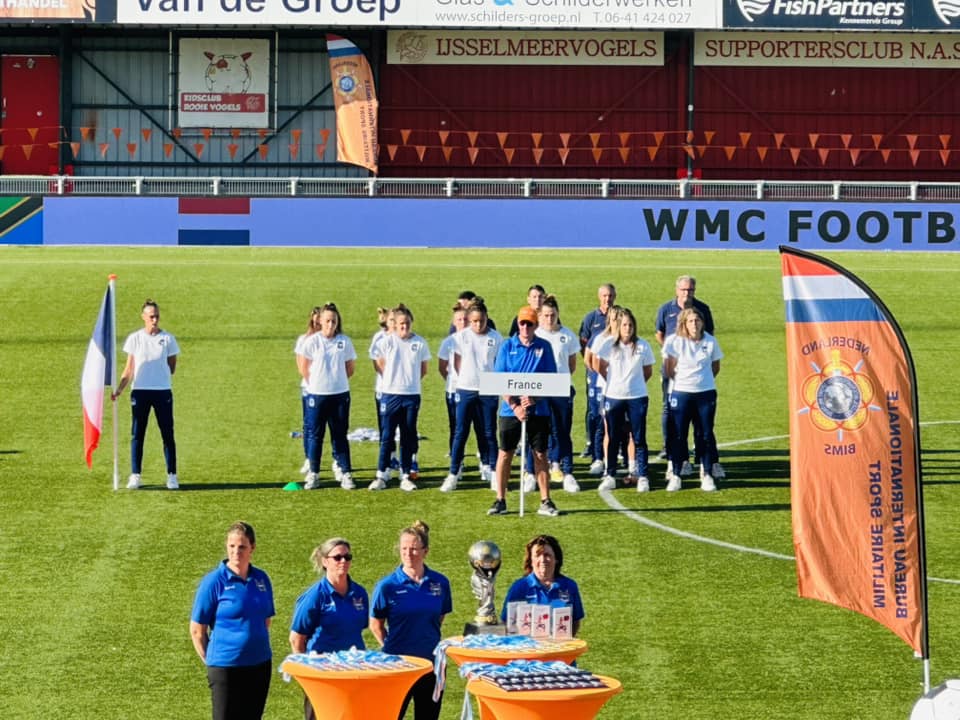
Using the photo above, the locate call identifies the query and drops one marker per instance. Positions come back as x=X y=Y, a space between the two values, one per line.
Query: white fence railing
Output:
x=464 y=188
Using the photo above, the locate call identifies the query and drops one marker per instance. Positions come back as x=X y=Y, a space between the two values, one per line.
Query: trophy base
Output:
x=472 y=628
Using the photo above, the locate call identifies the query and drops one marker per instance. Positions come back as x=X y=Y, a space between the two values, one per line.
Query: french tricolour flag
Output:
x=98 y=373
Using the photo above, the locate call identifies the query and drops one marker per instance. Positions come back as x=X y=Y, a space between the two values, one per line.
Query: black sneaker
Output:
x=548 y=509
x=499 y=507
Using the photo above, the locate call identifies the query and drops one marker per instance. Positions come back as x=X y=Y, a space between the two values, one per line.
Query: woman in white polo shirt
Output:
x=626 y=363
x=402 y=359
x=326 y=361
x=151 y=361
x=692 y=361
x=475 y=351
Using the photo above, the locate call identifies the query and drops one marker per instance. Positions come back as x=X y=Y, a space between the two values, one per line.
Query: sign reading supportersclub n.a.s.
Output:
x=839 y=49
x=531 y=14
x=224 y=83
x=520 y=47
x=909 y=15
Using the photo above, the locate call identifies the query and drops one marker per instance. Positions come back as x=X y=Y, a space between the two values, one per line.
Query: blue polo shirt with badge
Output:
x=537 y=357
x=329 y=620
x=563 y=593
x=412 y=611
x=236 y=611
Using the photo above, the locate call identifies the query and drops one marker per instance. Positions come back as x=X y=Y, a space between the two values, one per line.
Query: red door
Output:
x=29 y=114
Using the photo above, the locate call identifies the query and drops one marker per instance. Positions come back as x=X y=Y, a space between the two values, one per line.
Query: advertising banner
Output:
x=516 y=47
x=910 y=15
x=532 y=14
x=805 y=49
x=855 y=488
x=49 y=10
x=224 y=83
x=498 y=223
x=355 y=99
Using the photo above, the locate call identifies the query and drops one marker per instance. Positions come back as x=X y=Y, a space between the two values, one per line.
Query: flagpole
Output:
x=113 y=380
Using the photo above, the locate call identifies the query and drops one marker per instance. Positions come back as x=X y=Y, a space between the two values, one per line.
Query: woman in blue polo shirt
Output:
x=543 y=583
x=407 y=611
x=230 y=629
x=332 y=613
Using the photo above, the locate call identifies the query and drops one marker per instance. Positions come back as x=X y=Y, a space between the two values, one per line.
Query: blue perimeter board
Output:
x=534 y=223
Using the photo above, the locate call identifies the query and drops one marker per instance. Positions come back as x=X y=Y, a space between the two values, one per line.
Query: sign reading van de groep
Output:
x=879 y=15
x=530 y=14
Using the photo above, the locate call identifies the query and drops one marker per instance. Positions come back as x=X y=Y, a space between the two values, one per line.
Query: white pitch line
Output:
x=637 y=517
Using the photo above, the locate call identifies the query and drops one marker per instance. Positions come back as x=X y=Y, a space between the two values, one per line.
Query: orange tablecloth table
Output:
x=357 y=694
x=498 y=704
x=564 y=650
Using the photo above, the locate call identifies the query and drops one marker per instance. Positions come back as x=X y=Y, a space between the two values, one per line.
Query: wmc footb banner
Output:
x=854 y=449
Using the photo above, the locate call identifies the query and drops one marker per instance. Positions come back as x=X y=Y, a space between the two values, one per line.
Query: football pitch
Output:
x=690 y=597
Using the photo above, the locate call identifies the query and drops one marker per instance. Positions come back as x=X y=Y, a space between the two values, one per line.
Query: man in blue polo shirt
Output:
x=665 y=326
x=593 y=324
x=524 y=353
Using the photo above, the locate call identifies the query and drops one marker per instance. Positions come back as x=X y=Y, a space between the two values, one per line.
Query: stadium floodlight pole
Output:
x=113 y=380
x=523 y=457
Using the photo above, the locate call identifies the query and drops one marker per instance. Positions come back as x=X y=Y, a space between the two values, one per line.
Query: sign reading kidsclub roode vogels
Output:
x=533 y=14
x=518 y=47
x=910 y=15
x=806 y=49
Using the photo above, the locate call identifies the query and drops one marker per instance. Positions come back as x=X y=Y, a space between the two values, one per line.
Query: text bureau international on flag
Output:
x=894 y=512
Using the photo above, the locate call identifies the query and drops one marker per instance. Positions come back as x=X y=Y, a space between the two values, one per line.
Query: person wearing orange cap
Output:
x=524 y=353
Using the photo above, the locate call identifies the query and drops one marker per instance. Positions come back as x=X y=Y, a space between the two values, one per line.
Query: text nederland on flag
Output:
x=355 y=100
x=854 y=449
x=98 y=373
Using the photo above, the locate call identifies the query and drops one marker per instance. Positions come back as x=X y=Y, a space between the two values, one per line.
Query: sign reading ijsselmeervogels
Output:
x=908 y=15
x=521 y=47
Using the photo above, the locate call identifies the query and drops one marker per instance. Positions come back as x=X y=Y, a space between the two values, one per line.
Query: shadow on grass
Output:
x=206 y=487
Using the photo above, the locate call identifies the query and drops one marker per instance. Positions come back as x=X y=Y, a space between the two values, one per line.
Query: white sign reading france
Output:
x=532 y=384
x=531 y=14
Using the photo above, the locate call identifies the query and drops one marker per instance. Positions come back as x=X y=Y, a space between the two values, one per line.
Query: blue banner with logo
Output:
x=909 y=15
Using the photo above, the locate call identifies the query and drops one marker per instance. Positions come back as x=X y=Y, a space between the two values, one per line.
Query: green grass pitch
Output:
x=97 y=585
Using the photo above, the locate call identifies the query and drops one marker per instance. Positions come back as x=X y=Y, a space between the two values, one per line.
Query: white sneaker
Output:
x=597 y=467
x=707 y=484
x=717 y=471
x=449 y=483
x=133 y=482
x=337 y=472
x=305 y=468
x=172 y=483
x=643 y=484
x=570 y=484
x=486 y=473
x=529 y=482
x=608 y=483
x=556 y=474
x=346 y=481
x=380 y=482
x=312 y=480
x=632 y=470
x=687 y=469
x=406 y=484
x=673 y=482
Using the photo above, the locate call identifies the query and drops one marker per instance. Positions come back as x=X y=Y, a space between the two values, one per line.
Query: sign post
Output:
x=519 y=384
